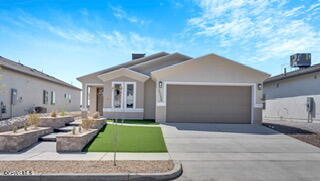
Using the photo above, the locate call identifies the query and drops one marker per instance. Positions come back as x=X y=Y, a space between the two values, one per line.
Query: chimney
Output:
x=137 y=55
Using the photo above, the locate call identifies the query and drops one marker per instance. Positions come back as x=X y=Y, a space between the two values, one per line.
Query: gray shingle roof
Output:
x=127 y=64
x=19 y=67
x=312 y=69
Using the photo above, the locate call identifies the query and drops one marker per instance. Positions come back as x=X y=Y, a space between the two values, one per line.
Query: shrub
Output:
x=53 y=114
x=15 y=128
x=33 y=119
x=96 y=115
x=87 y=123
x=25 y=126
x=63 y=113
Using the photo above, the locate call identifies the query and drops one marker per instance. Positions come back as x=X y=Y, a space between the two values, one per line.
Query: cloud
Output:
x=268 y=27
x=119 y=13
x=65 y=32
x=114 y=41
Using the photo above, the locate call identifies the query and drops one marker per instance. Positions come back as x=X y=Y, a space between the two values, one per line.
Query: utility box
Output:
x=14 y=96
x=310 y=104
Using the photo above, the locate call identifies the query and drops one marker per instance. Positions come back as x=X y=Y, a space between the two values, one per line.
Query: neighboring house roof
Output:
x=300 y=72
x=126 y=64
x=19 y=67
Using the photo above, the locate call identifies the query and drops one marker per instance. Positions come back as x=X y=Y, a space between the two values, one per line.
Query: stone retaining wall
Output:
x=14 y=142
x=75 y=143
x=55 y=122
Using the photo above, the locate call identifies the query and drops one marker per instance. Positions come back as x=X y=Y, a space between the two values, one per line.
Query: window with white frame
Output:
x=130 y=95
x=123 y=95
x=117 y=95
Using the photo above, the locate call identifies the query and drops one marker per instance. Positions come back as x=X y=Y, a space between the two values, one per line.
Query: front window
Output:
x=45 y=97
x=130 y=95
x=117 y=95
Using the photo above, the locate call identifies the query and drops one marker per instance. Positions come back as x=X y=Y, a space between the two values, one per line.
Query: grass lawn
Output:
x=148 y=122
x=131 y=139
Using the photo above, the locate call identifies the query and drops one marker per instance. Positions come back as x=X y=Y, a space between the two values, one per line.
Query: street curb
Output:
x=175 y=173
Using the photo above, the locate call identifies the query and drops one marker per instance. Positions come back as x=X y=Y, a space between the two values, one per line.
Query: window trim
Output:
x=53 y=98
x=134 y=94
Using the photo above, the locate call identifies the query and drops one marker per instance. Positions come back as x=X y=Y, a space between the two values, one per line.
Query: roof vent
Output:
x=301 y=60
x=137 y=55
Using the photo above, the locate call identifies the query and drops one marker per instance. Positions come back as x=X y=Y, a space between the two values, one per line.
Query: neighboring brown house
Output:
x=176 y=88
x=26 y=88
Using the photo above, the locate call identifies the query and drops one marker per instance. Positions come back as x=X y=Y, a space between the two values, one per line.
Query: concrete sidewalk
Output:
x=83 y=156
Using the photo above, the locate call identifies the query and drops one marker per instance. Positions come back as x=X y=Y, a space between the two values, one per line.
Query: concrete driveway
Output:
x=239 y=152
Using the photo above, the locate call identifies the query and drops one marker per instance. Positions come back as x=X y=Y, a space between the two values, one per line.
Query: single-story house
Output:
x=289 y=95
x=176 y=88
x=25 y=88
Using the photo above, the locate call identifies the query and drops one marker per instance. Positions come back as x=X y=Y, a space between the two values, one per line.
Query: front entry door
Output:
x=100 y=100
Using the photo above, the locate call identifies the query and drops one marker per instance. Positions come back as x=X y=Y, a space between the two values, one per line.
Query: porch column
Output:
x=84 y=97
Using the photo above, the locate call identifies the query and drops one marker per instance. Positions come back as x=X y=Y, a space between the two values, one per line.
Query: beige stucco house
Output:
x=176 y=88
x=288 y=96
x=26 y=88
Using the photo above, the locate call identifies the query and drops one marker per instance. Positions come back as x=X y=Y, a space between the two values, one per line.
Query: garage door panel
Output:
x=218 y=104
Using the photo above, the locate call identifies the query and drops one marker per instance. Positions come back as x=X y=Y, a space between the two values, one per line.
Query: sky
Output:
x=71 y=38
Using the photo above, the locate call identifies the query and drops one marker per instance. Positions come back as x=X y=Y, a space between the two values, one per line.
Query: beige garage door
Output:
x=215 y=104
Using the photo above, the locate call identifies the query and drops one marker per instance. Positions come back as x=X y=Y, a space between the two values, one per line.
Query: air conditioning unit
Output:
x=301 y=60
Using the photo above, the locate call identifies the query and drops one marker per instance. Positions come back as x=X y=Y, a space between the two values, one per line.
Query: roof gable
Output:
x=214 y=57
x=123 y=72
x=124 y=65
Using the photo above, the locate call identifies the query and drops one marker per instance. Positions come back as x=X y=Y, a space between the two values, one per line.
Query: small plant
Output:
x=63 y=113
x=87 y=123
x=14 y=129
x=33 y=120
x=74 y=130
x=53 y=114
x=25 y=126
x=96 y=115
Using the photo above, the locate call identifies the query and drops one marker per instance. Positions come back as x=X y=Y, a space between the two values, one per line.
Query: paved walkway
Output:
x=47 y=151
x=240 y=152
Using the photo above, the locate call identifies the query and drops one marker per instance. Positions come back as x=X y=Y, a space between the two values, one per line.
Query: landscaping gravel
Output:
x=306 y=132
x=314 y=127
x=86 y=167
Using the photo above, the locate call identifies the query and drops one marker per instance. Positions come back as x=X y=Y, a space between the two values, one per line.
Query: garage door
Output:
x=215 y=104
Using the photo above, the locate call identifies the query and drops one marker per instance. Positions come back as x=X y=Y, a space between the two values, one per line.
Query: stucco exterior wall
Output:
x=107 y=99
x=208 y=69
x=30 y=94
x=286 y=99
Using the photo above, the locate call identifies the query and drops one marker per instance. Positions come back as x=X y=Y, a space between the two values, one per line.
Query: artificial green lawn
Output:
x=145 y=121
x=131 y=139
